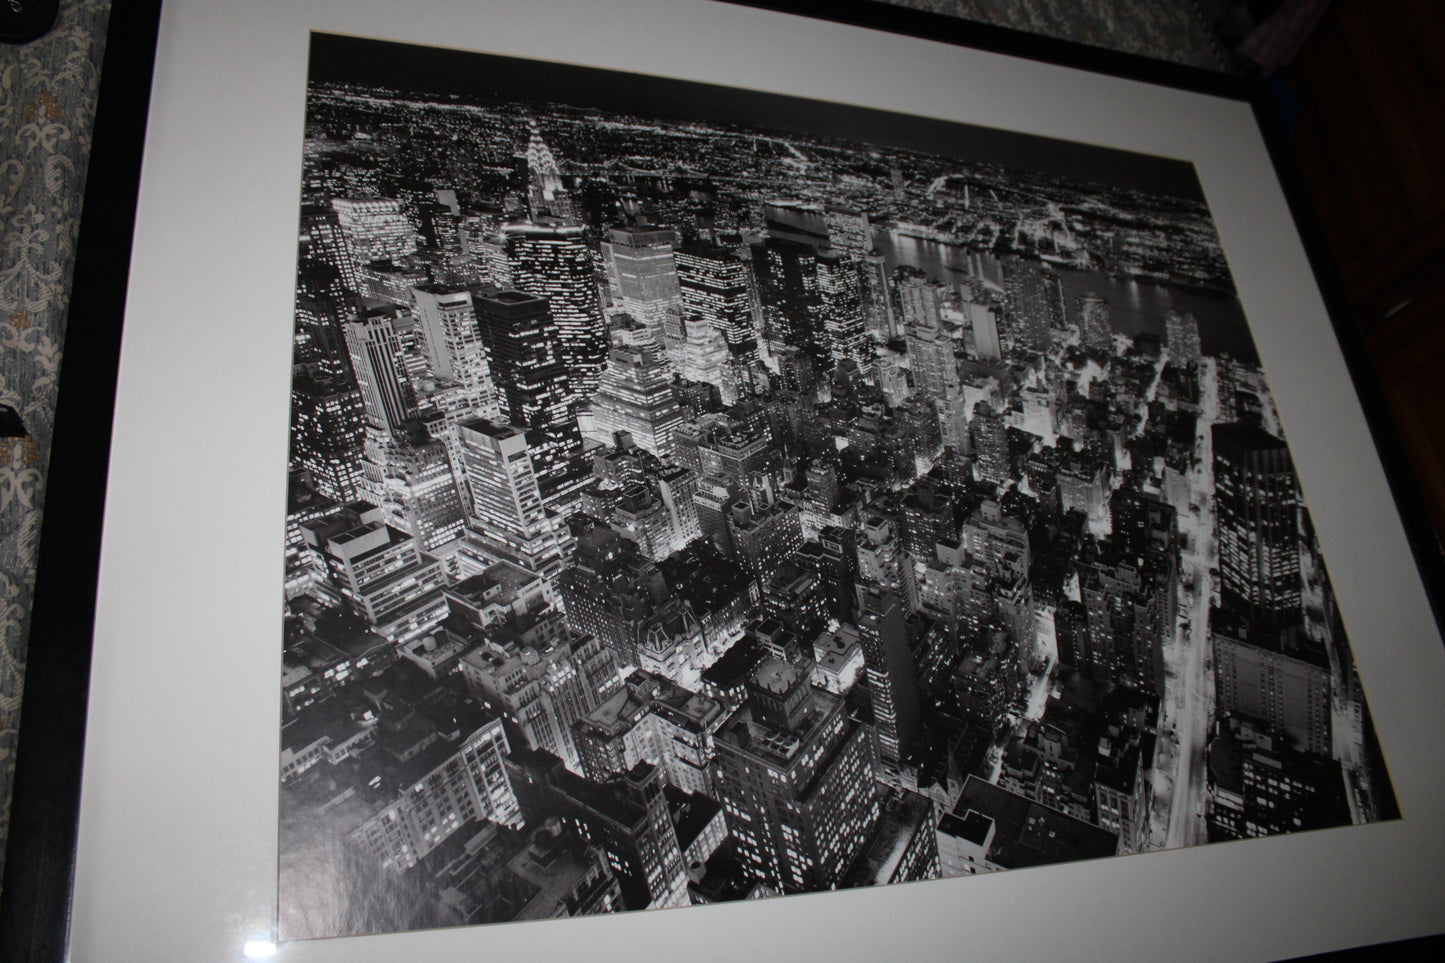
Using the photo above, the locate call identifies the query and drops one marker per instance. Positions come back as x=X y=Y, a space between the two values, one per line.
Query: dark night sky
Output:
x=484 y=77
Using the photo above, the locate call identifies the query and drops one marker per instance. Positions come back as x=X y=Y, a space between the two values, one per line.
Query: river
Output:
x=1134 y=306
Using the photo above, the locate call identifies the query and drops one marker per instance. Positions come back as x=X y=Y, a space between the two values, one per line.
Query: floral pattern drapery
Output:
x=47 y=106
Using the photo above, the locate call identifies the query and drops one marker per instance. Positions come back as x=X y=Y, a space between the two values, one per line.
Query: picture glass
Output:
x=700 y=494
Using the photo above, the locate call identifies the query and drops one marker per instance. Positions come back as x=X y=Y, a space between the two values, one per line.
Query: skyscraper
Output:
x=447 y=785
x=524 y=342
x=765 y=535
x=508 y=518
x=1257 y=508
x=710 y=499
x=1181 y=336
x=842 y=302
x=990 y=445
x=795 y=775
x=1094 y=329
x=920 y=299
x=1278 y=676
x=713 y=284
x=1033 y=294
x=453 y=346
x=323 y=240
x=884 y=637
x=1130 y=604
x=985 y=331
x=834 y=556
x=326 y=434
x=382 y=572
x=419 y=493
x=543 y=689
x=645 y=281
x=635 y=392
x=930 y=359
x=376 y=229
x=704 y=354
x=848 y=230
x=626 y=816
x=375 y=358
x=651 y=719
x=675 y=486
x=546 y=192
x=323 y=304
x=791 y=299
x=878 y=297
x=550 y=260
x=883 y=562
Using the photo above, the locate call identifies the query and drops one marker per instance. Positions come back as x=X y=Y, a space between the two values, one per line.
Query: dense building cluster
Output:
x=663 y=535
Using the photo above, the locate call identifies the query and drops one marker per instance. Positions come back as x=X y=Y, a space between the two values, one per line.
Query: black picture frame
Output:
x=45 y=808
x=40 y=862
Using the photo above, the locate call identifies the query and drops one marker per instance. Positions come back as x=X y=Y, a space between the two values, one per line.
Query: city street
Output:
x=1189 y=687
x=1041 y=684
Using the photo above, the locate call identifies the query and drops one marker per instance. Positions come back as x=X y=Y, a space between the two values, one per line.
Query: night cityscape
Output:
x=685 y=509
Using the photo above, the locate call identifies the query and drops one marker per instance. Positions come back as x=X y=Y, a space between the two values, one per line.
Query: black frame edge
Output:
x=40 y=856
x=45 y=811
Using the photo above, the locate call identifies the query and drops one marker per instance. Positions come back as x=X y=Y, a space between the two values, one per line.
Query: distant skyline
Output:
x=496 y=80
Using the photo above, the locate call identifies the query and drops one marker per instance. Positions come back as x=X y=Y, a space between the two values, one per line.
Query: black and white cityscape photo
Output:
x=699 y=494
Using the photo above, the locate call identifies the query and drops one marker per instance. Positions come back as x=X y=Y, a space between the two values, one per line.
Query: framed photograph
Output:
x=592 y=460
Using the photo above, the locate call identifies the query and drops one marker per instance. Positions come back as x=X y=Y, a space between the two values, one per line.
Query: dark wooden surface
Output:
x=1370 y=143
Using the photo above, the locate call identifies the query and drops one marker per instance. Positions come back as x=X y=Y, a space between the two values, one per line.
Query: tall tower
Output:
x=791 y=299
x=326 y=434
x=765 y=535
x=508 y=518
x=891 y=680
x=718 y=289
x=704 y=355
x=323 y=304
x=795 y=774
x=550 y=260
x=419 y=816
x=375 y=228
x=381 y=572
x=453 y=345
x=323 y=240
x=883 y=562
x=843 y=323
x=644 y=277
x=375 y=358
x=920 y=299
x=626 y=817
x=525 y=344
x=713 y=282
x=1181 y=336
x=419 y=494
x=1257 y=508
x=990 y=445
x=878 y=297
x=635 y=392
x=931 y=361
x=985 y=331
x=1029 y=290
x=1094 y=326
x=546 y=194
